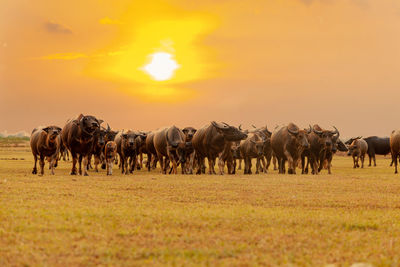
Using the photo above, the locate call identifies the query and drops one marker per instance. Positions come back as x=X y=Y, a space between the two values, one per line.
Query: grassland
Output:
x=150 y=219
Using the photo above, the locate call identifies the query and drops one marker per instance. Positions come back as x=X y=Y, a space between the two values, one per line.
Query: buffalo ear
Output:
x=194 y=130
x=100 y=121
x=47 y=129
x=124 y=136
x=58 y=129
x=76 y=122
x=185 y=131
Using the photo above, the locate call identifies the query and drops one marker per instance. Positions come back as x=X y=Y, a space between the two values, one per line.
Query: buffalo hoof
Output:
x=73 y=173
x=85 y=174
x=103 y=166
x=40 y=174
x=34 y=171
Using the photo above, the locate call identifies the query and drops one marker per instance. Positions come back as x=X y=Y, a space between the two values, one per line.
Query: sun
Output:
x=161 y=67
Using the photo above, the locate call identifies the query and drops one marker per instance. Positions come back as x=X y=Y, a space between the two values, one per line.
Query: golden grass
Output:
x=147 y=218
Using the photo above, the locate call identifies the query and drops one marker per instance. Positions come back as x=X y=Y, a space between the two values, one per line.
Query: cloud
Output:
x=108 y=21
x=53 y=27
x=64 y=56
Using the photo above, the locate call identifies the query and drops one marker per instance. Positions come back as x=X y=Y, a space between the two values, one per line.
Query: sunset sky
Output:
x=332 y=62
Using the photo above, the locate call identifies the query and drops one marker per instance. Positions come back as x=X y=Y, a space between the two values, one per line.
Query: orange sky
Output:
x=250 y=62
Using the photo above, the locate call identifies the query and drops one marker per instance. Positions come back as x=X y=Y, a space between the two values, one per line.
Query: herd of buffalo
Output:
x=84 y=137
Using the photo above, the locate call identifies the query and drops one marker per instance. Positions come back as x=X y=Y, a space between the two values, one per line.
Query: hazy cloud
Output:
x=360 y=3
x=53 y=27
x=108 y=21
x=64 y=56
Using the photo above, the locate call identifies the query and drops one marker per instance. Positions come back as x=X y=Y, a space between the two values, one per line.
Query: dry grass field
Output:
x=150 y=219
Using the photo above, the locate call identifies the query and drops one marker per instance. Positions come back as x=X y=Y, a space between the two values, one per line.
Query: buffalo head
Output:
x=89 y=124
x=52 y=132
x=129 y=139
x=230 y=133
x=299 y=135
x=259 y=146
x=189 y=132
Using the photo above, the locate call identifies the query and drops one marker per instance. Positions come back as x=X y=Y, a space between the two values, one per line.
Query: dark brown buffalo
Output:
x=98 y=148
x=395 y=147
x=45 y=143
x=268 y=153
x=377 y=146
x=253 y=147
x=236 y=155
x=170 y=146
x=141 y=144
x=215 y=140
x=110 y=136
x=190 y=154
x=127 y=150
x=78 y=137
x=288 y=144
x=321 y=143
x=357 y=150
x=151 y=152
x=110 y=152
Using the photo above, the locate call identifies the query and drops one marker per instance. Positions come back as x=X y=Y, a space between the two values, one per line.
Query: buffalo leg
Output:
x=148 y=164
x=74 y=161
x=210 y=165
x=394 y=160
x=121 y=164
x=34 y=171
x=362 y=160
x=41 y=165
x=370 y=158
x=221 y=166
x=85 y=163
x=264 y=167
x=109 y=165
x=240 y=164
x=200 y=160
x=291 y=167
x=257 y=166
x=80 y=164
x=52 y=161
x=374 y=158
x=162 y=163
x=96 y=163
x=274 y=161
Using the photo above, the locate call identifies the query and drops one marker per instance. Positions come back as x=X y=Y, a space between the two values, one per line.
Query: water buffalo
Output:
x=170 y=146
x=288 y=143
x=377 y=145
x=395 y=147
x=190 y=154
x=253 y=147
x=212 y=141
x=141 y=141
x=110 y=152
x=45 y=142
x=151 y=152
x=78 y=137
x=321 y=143
x=98 y=148
x=358 y=149
x=236 y=155
x=127 y=150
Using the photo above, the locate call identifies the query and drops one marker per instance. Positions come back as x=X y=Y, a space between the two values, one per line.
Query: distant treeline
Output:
x=13 y=141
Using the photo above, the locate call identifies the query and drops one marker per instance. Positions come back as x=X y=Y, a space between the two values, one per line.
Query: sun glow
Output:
x=161 y=67
x=157 y=52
